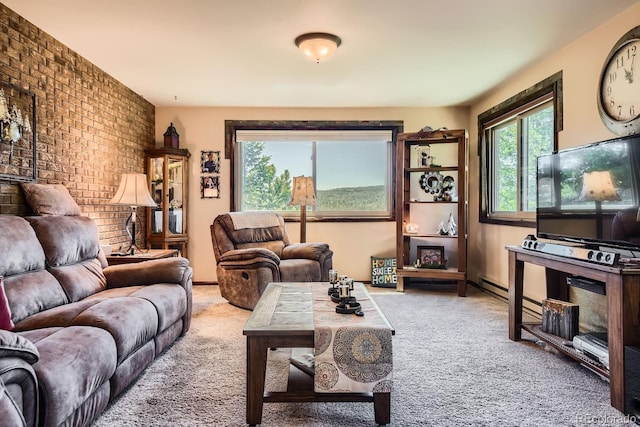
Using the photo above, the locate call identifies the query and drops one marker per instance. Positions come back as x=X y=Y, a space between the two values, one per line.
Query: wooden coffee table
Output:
x=283 y=318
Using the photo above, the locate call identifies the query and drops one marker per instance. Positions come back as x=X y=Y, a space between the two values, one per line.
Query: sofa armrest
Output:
x=308 y=250
x=18 y=393
x=18 y=383
x=15 y=345
x=241 y=256
x=165 y=270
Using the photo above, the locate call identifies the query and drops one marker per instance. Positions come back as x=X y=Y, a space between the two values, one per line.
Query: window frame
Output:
x=395 y=127
x=524 y=101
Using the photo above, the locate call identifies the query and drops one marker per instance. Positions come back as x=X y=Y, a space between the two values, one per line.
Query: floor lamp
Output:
x=134 y=192
x=302 y=194
x=597 y=187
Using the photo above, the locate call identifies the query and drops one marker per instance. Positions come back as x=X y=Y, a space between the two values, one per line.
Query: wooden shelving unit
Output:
x=423 y=204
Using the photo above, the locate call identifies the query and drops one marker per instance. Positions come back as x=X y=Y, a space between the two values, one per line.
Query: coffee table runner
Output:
x=352 y=354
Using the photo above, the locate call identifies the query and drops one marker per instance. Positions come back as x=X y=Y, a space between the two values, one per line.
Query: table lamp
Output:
x=302 y=194
x=597 y=187
x=134 y=192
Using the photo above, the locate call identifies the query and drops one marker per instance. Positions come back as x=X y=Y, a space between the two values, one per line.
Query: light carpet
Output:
x=453 y=366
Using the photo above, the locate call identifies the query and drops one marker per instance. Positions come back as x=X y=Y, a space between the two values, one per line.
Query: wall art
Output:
x=17 y=133
x=210 y=161
x=210 y=187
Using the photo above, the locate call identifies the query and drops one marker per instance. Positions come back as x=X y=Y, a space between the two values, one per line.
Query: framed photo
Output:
x=210 y=187
x=17 y=133
x=210 y=161
x=431 y=256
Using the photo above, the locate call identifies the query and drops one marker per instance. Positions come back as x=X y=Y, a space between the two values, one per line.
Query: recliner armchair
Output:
x=252 y=249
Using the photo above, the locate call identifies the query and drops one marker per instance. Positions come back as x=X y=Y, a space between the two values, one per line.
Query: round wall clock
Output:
x=619 y=87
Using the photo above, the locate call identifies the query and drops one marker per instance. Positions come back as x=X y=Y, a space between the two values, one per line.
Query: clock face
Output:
x=619 y=89
x=621 y=83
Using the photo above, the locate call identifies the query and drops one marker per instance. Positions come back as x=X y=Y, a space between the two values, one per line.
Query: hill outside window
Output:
x=352 y=171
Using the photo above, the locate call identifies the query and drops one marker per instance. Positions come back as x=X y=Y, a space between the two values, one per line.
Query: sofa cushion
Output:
x=5 y=312
x=250 y=229
x=80 y=280
x=20 y=248
x=31 y=293
x=131 y=322
x=71 y=247
x=85 y=357
x=66 y=239
x=49 y=199
x=169 y=300
x=299 y=270
x=28 y=286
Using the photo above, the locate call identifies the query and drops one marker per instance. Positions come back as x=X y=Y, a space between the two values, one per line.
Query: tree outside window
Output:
x=512 y=136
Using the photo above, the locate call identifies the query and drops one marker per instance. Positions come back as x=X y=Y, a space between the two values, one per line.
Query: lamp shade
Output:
x=318 y=46
x=133 y=191
x=597 y=187
x=302 y=193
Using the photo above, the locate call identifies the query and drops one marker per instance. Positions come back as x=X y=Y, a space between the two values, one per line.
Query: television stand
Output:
x=623 y=308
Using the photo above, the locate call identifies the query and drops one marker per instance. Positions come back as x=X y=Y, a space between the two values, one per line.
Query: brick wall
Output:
x=90 y=128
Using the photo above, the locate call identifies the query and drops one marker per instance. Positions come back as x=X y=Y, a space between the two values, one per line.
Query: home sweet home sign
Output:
x=384 y=272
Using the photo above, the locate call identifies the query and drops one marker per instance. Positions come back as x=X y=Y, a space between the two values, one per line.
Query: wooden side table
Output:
x=144 y=255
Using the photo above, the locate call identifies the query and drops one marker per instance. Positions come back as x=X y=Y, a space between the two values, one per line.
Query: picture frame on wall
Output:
x=210 y=187
x=210 y=161
x=431 y=257
x=17 y=133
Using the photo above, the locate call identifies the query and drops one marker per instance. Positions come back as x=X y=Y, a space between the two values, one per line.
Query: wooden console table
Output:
x=623 y=307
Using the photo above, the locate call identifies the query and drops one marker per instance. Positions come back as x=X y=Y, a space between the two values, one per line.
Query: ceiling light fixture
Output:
x=318 y=46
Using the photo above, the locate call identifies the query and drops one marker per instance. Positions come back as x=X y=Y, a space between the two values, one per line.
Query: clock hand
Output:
x=629 y=74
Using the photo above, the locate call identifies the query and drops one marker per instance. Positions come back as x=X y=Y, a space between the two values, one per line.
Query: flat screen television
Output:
x=591 y=194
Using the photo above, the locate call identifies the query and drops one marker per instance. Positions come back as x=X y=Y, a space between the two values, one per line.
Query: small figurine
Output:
x=442 y=230
x=452 y=227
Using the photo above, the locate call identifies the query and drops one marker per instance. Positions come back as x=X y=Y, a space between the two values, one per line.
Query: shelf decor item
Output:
x=412 y=228
x=431 y=257
x=424 y=158
x=447 y=190
x=171 y=137
x=431 y=182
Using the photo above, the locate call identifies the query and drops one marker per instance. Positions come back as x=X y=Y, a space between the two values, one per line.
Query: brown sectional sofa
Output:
x=84 y=331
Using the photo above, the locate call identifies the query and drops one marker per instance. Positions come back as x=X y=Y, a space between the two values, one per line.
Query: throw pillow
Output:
x=5 y=313
x=50 y=199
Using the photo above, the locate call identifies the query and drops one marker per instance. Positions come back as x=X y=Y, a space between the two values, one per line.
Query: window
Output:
x=512 y=135
x=351 y=163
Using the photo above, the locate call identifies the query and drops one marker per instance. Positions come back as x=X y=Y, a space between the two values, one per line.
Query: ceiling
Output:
x=401 y=53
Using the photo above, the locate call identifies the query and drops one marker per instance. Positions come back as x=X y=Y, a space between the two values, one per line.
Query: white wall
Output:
x=353 y=243
x=581 y=63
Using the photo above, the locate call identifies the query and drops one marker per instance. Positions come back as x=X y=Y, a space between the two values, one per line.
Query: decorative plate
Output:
x=431 y=182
